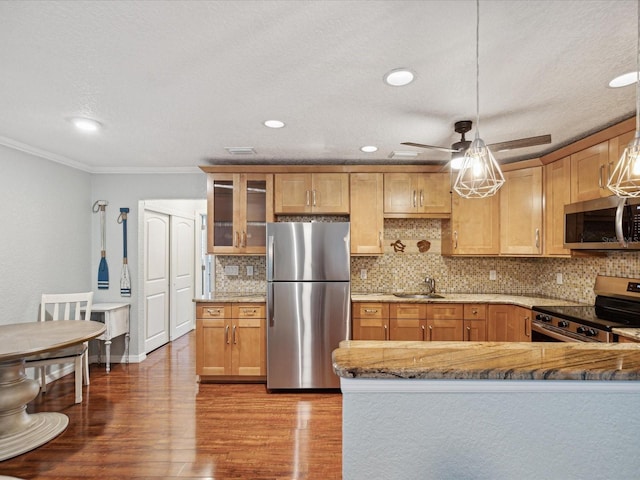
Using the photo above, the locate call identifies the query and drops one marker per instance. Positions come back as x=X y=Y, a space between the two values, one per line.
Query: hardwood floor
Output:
x=152 y=420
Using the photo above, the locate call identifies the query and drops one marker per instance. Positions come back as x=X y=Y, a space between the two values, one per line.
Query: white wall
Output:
x=46 y=221
x=122 y=190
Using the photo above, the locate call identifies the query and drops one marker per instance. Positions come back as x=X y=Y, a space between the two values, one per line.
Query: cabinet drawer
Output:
x=370 y=310
x=445 y=311
x=252 y=310
x=416 y=311
x=214 y=310
x=475 y=311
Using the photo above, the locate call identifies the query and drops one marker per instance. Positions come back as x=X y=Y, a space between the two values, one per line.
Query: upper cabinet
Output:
x=238 y=207
x=366 y=218
x=521 y=212
x=474 y=228
x=590 y=170
x=418 y=195
x=557 y=177
x=315 y=193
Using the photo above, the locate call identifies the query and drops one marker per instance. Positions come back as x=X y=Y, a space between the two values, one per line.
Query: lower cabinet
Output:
x=419 y=321
x=508 y=323
x=231 y=342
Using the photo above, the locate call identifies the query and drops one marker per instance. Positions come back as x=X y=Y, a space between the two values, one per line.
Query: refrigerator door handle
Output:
x=270 y=304
x=270 y=262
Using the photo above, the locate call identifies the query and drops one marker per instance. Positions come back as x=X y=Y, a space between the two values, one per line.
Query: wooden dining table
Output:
x=21 y=432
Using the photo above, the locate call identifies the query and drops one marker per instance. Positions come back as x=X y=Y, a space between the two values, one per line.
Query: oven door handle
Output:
x=536 y=327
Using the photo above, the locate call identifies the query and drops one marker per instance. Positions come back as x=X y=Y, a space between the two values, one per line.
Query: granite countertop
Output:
x=633 y=333
x=487 y=360
x=520 y=300
x=232 y=297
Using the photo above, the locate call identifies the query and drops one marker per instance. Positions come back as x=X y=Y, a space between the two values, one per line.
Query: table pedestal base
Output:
x=21 y=432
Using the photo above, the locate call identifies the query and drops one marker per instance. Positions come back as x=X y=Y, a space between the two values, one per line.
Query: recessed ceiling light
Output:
x=369 y=149
x=624 y=80
x=399 y=77
x=274 y=124
x=86 y=124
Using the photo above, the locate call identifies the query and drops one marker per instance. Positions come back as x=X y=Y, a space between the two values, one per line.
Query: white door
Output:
x=156 y=279
x=182 y=275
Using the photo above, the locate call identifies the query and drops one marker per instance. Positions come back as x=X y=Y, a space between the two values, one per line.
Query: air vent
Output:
x=240 y=150
x=403 y=155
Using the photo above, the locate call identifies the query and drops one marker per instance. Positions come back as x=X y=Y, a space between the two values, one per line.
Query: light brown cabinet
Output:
x=370 y=321
x=418 y=195
x=312 y=193
x=590 y=170
x=474 y=227
x=231 y=342
x=367 y=220
x=238 y=207
x=557 y=178
x=521 y=212
x=475 y=322
x=508 y=323
x=437 y=322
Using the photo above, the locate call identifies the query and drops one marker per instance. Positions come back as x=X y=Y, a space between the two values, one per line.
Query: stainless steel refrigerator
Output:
x=308 y=302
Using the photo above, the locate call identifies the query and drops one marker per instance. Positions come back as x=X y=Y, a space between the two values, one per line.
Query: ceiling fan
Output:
x=464 y=126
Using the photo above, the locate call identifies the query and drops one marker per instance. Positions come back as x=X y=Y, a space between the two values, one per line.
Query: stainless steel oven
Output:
x=617 y=306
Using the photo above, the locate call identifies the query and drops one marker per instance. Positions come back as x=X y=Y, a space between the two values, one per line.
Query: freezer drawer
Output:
x=306 y=322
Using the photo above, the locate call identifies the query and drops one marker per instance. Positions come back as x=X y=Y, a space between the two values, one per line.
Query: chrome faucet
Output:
x=431 y=285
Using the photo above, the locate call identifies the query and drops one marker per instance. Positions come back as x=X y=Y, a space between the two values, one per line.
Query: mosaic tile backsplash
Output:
x=396 y=271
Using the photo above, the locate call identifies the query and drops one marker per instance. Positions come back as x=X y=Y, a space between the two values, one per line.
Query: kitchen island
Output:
x=481 y=410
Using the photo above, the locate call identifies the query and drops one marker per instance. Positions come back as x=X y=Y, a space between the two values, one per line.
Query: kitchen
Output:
x=45 y=190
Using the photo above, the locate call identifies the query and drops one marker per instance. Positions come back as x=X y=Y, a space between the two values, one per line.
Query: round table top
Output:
x=20 y=340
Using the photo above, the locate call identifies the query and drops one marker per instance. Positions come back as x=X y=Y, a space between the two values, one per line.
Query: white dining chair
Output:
x=65 y=306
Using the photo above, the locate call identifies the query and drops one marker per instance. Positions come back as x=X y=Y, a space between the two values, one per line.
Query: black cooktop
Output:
x=597 y=316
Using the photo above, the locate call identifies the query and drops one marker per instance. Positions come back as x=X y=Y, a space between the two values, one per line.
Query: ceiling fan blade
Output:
x=520 y=143
x=420 y=145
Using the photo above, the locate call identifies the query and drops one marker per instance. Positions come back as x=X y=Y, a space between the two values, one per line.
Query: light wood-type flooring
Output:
x=152 y=420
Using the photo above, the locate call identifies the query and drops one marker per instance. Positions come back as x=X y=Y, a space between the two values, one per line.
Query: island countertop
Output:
x=487 y=360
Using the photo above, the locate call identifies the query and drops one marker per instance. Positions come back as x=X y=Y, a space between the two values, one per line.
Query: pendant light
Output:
x=625 y=179
x=479 y=176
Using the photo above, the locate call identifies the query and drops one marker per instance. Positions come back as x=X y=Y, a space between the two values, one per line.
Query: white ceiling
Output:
x=174 y=83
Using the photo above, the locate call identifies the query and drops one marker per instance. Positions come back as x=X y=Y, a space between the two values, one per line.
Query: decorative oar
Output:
x=103 y=269
x=125 y=282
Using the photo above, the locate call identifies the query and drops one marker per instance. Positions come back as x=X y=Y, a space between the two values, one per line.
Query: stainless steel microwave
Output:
x=610 y=223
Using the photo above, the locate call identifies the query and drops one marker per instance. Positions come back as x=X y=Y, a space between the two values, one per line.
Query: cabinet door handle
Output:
x=386 y=332
x=213 y=312
x=600 y=176
x=526 y=327
x=609 y=165
x=244 y=239
x=226 y=334
x=468 y=334
x=370 y=310
x=233 y=334
x=308 y=198
x=537 y=238
x=421 y=198
x=248 y=311
x=423 y=332
x=380 y=239
x=415 y=198
x=430 y=332
x=236 y=239
x=314 y=198
x=455 y=239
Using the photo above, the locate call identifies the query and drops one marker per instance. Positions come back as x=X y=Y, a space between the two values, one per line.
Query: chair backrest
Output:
x=66 y=306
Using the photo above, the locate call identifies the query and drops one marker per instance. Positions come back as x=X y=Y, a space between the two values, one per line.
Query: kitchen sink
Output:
x=417 y=295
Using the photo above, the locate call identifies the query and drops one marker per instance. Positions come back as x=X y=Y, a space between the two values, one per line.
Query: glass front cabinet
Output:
x=239 y=205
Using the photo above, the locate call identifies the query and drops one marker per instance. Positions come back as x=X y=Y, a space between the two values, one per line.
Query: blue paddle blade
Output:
x=103 y=274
